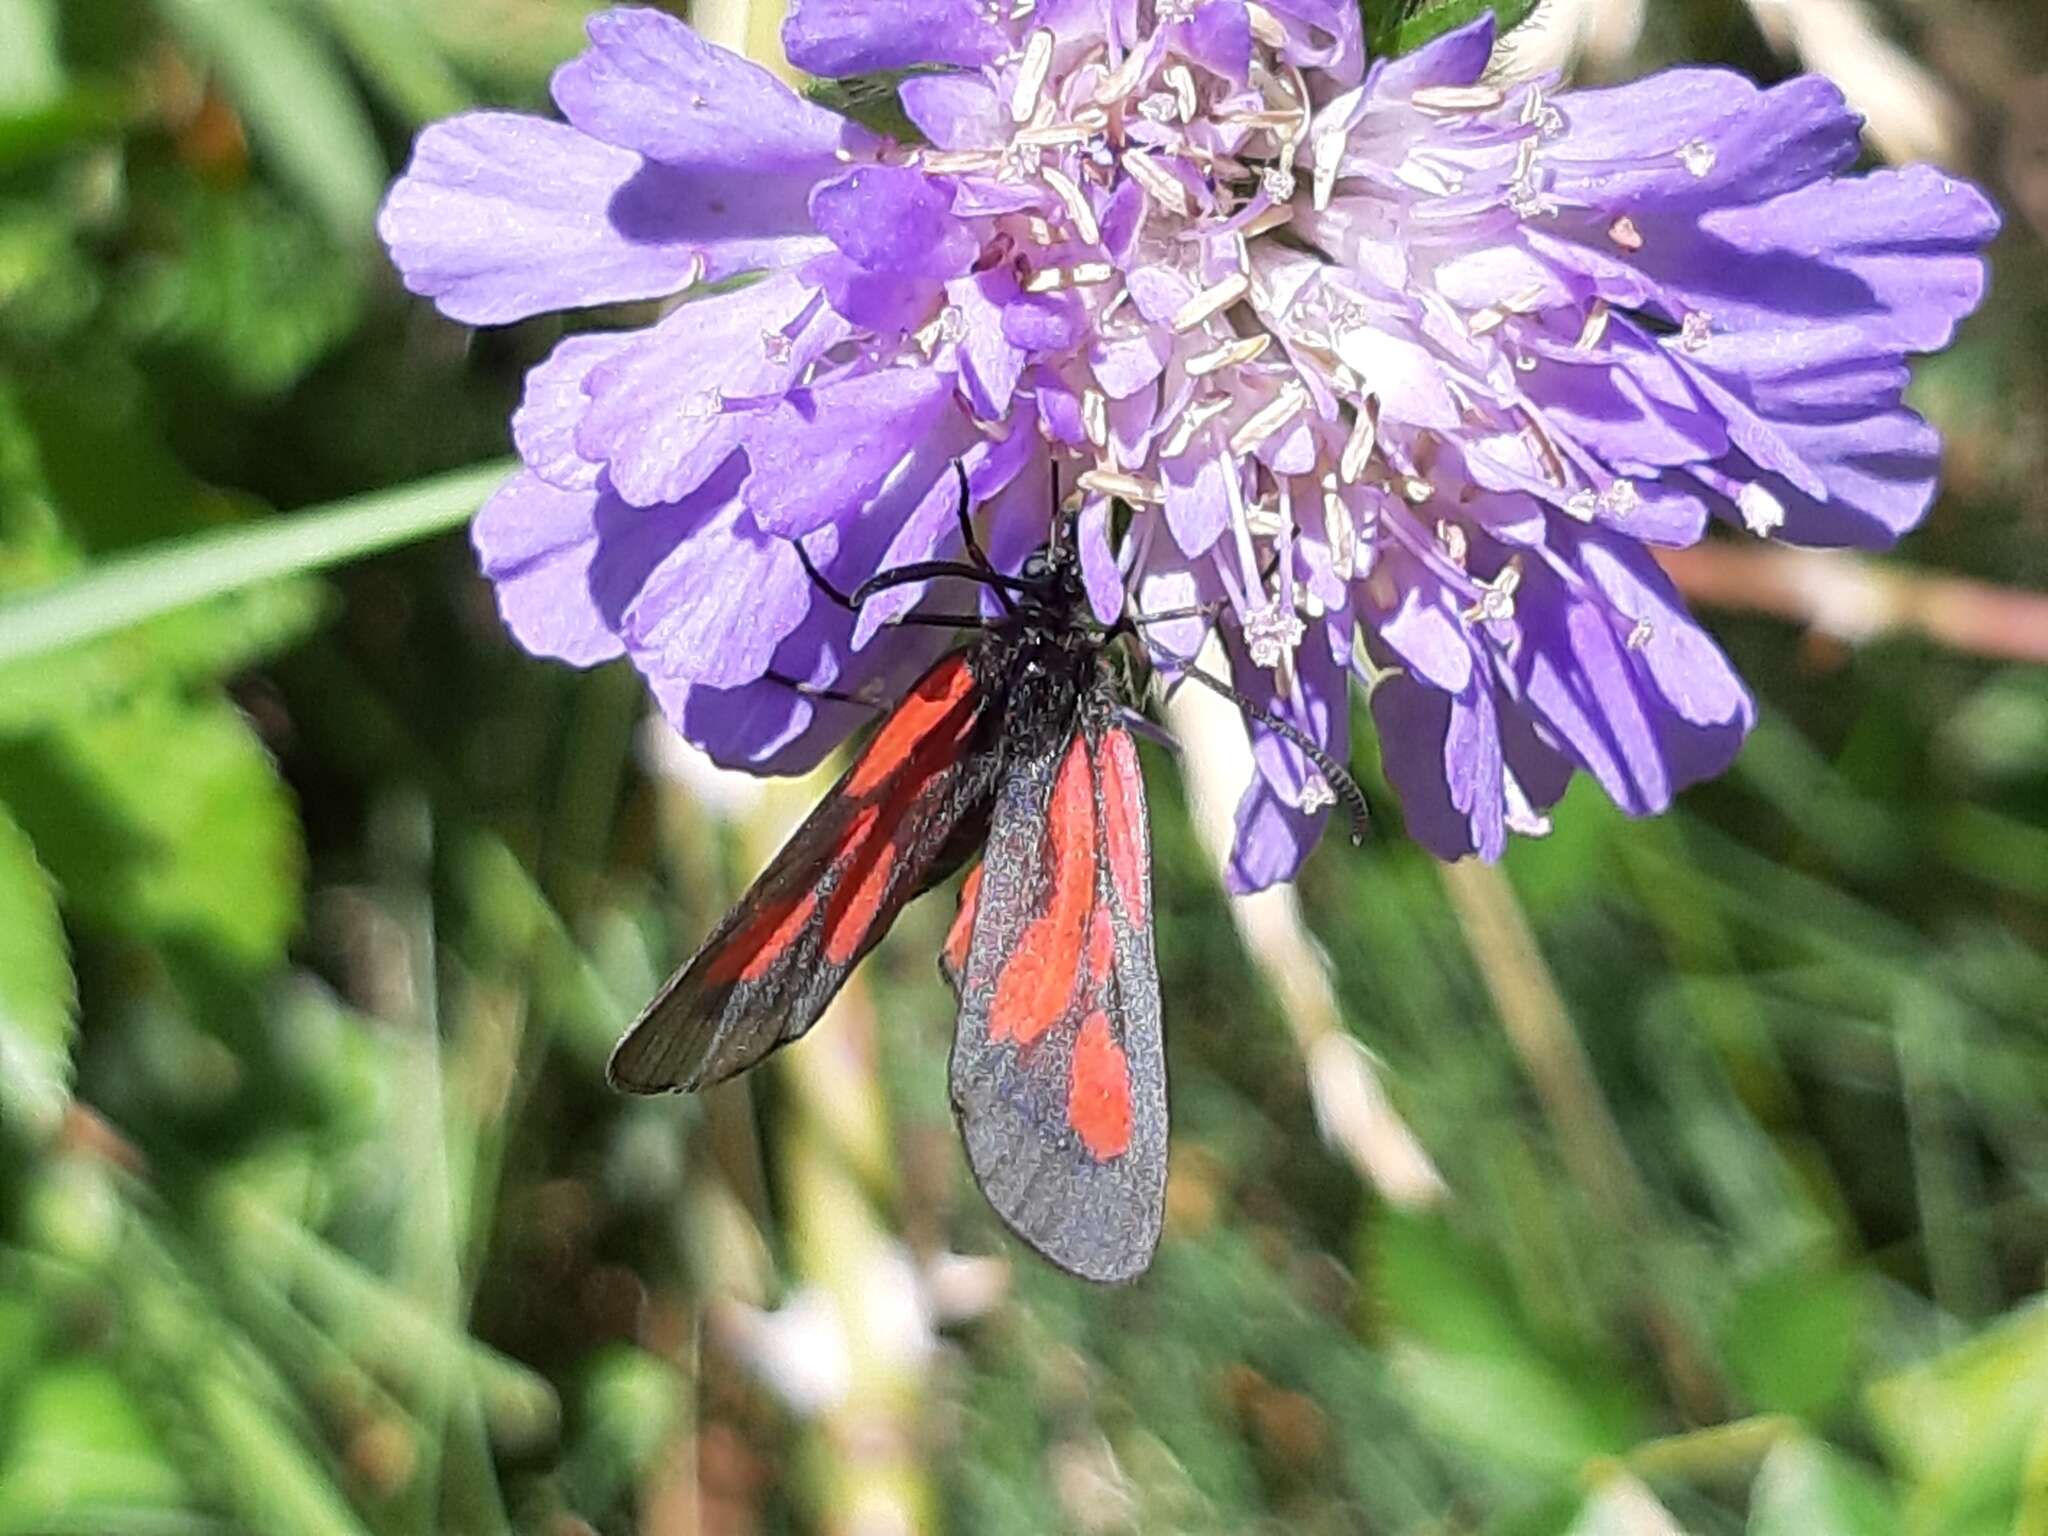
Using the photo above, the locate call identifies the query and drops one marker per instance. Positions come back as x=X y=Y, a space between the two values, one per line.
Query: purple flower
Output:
x=1401 y=370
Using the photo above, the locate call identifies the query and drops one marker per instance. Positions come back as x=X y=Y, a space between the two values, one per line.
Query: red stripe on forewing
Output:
x=749 y=954
x=864 y=877
x=1123 y=820
x=954 y=955
x=1037 y=982
x=945 y=689
x=1099 y=1092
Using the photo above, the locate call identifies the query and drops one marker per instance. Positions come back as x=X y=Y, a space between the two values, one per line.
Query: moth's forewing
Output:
x=902 y=818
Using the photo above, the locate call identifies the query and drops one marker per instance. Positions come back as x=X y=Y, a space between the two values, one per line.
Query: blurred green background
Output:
x=1696 y=1178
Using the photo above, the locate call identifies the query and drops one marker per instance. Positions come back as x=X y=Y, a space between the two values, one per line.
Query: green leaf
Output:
x=249 y=284
x=132 y=588
x=1962 y=1425
x=1792 y=1336
x=1470 y=1368
x=81 y=1443
x=398 y=55
x=31 y=70
x=206 y=642
x=1805 y=1489
x=1402 y=26
x=165 y=821
x=38 y=999
x=304 y=119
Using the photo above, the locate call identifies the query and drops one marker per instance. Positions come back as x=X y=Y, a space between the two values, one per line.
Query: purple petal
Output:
x=1274 y=832
x=535 y=542
x=1698 y=137
x=1099 y=572
x=1219 y=38
x=836 y=38
x=893 y=218
x=658 y=413
x=650 y=84
x=1458 y=57
x=555 y=402
x=1572 y=669
x=1442 y=754
x=822 y=454
x=1045 y=322
x=954 y=111
x=715 y=610
x=1687 y=668
x=990 y=363
x=883 y=302
x=499 y=217
x=568 y=565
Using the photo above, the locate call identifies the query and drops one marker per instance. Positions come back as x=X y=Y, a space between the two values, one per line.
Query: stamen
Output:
x=1076 y=203
x=1231 y=354
x=1623 y=232
x=1192 y=420
x=1496 y=598
x=1457 y=98
x=1358 y=447
x=1119 y=84
x=1157 y=181
x=1271 y=633
x=1113 y=482
x=1211 y=301
x=1595 y=328
x=1031 y=75
x=1095 y=417
x=1762 y=513
x=1265 y=26
x=1261 y=426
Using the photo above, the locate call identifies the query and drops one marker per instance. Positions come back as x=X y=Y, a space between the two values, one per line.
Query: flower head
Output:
x=1398 y=371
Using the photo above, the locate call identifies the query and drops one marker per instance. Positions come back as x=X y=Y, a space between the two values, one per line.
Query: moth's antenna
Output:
x=1334 y=773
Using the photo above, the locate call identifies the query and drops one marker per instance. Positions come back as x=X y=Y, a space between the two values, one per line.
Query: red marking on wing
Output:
x=751 y=953
x=1099 y=1092
x=867 y=863
x=1101 y=948
x=946 y=689
x=954 y=956
x=1123 y=817
x=1038 y=980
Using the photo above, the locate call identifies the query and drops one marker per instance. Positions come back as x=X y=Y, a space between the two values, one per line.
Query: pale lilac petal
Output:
x=821 y=454
x=954 y=111
x=663 y=412
x=893 y=218
x=650 y=84
x=535 y=542
x=716 y=609
x=499 y=217
x=1693 y=137
x=1274 y=831
x=1100 y=573
x=990 y=363
x=545 y=425
x=836 y=38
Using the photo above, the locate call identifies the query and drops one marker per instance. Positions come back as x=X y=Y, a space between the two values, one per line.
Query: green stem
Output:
x=123 y=592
